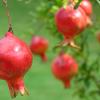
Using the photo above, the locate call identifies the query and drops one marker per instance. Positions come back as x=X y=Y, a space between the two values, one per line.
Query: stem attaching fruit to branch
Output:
x=73 y=2
x=70 y=2
x=8 y=15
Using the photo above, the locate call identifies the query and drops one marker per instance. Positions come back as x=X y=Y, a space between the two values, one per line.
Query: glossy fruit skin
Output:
x=64 y=68
x=15 y=61
x=39 y=46
x=70 y=22
x=86 y=6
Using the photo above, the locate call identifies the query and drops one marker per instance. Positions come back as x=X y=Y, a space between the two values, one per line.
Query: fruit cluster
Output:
x=16 y=58
x=70 y=22
x=16 y=55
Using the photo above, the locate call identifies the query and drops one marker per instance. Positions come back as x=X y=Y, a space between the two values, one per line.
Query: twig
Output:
x=8 y=15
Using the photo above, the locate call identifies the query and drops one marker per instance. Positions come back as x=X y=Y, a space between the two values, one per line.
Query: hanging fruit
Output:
x=64 y=68
x=15 y=61
x=39 y=46
x=71 y=21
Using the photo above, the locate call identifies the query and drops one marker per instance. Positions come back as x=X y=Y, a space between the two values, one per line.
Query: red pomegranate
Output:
x=64 y=68
x=39 y=46
x=15 y=61
x=70 y=22
x=86 y=6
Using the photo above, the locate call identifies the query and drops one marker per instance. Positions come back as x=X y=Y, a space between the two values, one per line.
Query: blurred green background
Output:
x=39 y=80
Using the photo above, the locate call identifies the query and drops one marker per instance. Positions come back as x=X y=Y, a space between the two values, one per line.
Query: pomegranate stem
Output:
x=44 y=57
x=73 y=2
x=67 y=84
x=8 y=15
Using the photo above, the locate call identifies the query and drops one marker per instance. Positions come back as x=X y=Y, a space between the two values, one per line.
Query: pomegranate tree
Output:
x=88 y=56
x=15 y=61
x=39 y=46
x=64 y=68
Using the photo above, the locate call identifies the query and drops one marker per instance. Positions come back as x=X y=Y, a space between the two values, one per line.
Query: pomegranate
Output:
x=15 y=61
x=86 y=6
x=64 y=68
x=70 y=22
x=39 y=46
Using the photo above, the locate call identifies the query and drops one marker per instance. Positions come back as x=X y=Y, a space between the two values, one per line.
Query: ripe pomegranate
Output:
x=70 y=22
x=15 y=61
x=39 y=46
x=64 y=68
x=86 y=6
